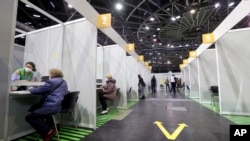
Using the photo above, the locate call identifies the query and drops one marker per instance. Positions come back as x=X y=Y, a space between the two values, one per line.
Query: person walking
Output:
x=153 y=84
x=173 y=84
x=142 y=86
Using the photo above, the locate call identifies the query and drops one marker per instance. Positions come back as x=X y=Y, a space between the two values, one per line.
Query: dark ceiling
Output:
x=164 y=40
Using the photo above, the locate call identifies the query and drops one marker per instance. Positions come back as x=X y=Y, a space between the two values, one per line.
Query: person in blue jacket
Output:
x=53 y=92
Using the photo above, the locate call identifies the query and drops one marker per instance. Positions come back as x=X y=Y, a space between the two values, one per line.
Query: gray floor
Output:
x=168 y=111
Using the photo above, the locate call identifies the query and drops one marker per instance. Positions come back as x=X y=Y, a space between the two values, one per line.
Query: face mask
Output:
x=27 y=69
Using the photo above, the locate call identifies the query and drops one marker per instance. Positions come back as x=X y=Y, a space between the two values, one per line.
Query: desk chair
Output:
x=215 y=92
x=129 y=93
x=68 y=105
x=115 y=101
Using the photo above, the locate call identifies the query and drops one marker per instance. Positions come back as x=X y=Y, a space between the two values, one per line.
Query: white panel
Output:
x=79 y=66
x=187 y=80
x=234 y=75
x=17 y=57
x=115 y=64
x=36 y=50
x=194 y=84
x=99 y=65
x=208 y=74
x=55 y=48
x=132 y=78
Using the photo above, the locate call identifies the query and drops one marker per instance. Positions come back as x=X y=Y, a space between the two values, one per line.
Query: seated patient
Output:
x=53 y=92
x=26 y=74
x=108 y=91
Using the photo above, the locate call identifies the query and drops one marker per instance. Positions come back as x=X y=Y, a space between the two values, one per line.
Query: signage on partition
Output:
x=140 y=58
x=130 y=47
x=192 y=54
x=104 y=20
x=208 y=38
x=169 y=136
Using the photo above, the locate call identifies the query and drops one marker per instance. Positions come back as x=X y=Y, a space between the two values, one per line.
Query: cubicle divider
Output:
x=70 y=48
x=194 y=76
x=208 y=74
x=17 y=57
x=132 y=78
x=114 y=62
x=234 y=75
x=187 y=80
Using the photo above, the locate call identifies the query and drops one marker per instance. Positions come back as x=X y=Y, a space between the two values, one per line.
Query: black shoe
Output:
x=143 y=97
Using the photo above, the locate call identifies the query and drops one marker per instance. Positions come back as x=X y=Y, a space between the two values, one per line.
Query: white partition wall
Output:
x=99 y=64
x=132 y=78
x=17 y=57
x=44 y=48
x=208 y=74
x=234 y=75
x=79 y=66
x=187 y=80
x=194 y=76
x=114 y=62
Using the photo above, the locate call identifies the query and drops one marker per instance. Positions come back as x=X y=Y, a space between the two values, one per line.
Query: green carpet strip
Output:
x=66 y=133
x=131 y=103
x=237 y=119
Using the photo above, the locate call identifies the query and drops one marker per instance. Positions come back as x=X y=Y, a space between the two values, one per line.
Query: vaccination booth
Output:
x=234 y=75
x=207 y=73
x=194 y=76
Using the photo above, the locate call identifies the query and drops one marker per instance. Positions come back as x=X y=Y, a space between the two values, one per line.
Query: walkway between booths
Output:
x=165 y=117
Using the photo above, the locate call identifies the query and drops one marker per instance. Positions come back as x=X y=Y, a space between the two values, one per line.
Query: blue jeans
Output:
x=41 y=123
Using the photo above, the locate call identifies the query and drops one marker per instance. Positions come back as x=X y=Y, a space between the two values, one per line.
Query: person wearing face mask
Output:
x=26 y=73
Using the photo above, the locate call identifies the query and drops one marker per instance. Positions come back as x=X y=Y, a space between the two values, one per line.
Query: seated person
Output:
x=108 y=91
x=26 y=74
x=53 y=92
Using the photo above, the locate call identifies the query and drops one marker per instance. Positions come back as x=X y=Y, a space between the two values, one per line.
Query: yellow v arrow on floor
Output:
x=175 y=134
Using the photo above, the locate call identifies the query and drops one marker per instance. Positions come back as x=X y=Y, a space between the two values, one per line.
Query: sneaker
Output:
x=104 y=112
x=49 y=135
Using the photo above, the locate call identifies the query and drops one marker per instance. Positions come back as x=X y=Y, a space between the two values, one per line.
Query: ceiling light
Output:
x=153 y=45
x=70 y=6
x=178 y=17
x=154 y=35
x=37 y=16
x=118 y=6
x=52 y=4
x=28 y=23
x=160 y=44
x=152 y=19
x=172 y=46
x=27 y=6
x=187 y=45
x=147 y=27
x=217 y=5
x=141 y=40
x=158 y=29
x=155 y=40
x=173 y=19
x=231 y=4
x=180 y=56
x=192 y=11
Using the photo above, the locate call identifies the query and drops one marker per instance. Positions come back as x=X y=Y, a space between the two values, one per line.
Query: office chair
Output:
x=68 y=105
x=215 y=92
x=115 y=101
x=129 y=93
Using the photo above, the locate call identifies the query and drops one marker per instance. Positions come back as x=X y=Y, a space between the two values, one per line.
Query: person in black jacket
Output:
x=142 y=86
x=153 y=84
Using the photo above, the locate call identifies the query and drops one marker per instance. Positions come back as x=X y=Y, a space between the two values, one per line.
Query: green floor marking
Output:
x=237 y=119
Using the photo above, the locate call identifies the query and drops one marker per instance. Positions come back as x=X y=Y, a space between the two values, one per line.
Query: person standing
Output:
x=167 y=84
x=153 y=84
x=142 y=86
x=173 y=83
